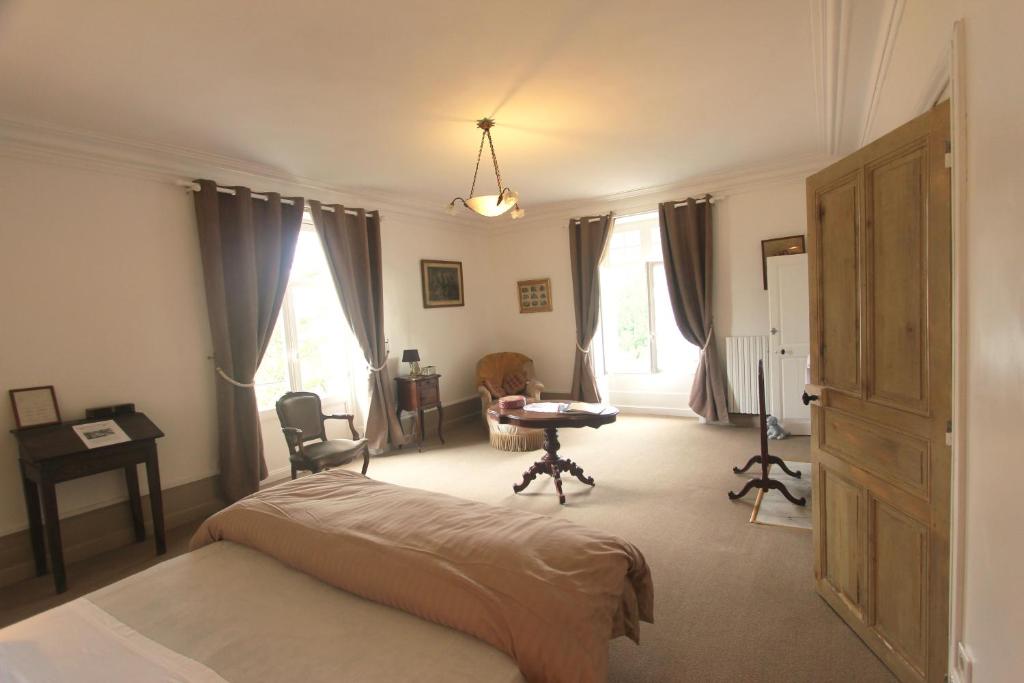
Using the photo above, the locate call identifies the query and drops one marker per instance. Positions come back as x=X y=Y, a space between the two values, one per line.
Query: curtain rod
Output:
x=195 y=187
x=698 y=200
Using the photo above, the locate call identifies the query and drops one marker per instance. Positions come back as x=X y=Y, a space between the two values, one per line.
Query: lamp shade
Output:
x=411 y=356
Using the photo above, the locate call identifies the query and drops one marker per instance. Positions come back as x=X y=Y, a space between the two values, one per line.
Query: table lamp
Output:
x=412 y=357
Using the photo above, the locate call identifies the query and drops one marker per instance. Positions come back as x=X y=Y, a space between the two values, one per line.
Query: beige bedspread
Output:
x=547 y=592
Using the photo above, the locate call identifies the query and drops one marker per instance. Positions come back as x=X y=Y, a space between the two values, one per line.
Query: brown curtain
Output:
x=686 y=244
x=588 y=238
x=351 y=242
x=247 y=248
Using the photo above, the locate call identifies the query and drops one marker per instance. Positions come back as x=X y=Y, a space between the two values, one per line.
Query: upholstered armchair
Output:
x=302 y=420
x=501 y=374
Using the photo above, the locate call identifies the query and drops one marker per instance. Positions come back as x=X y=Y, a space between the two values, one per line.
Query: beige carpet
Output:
x=734 y=601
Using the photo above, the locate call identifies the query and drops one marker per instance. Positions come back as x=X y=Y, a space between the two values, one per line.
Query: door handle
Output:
x=782 y=351
x=807 y=398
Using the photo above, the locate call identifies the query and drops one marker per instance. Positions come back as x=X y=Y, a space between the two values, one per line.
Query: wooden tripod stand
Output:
x=764 y=482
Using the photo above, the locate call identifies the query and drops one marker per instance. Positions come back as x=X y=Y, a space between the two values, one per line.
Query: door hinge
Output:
x=949 y=432
x=821 y=212
x=949 y=154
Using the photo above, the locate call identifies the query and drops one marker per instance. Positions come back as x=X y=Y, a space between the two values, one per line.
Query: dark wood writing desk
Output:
x=49 y=455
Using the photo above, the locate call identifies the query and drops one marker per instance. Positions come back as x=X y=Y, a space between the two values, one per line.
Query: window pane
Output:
x=322 y=333
x=272 y=375
x=675 y=354
x=626 y=317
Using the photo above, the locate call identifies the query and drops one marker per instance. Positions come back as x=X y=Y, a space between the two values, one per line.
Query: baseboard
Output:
x=103 y=529
x=652 y=410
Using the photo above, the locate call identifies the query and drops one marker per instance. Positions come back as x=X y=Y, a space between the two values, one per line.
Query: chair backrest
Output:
x=301 y=410
x=496 y=366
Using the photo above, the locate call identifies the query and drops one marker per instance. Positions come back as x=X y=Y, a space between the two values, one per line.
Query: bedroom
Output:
x=111 y=111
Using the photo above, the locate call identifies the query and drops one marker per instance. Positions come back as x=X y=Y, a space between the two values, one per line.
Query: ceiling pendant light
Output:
x=489 y=204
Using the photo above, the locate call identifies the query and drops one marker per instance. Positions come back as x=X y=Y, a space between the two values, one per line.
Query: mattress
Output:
x=227 y=612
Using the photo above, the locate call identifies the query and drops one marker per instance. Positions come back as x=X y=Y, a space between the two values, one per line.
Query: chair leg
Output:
x=295 y=472
x=366 y=458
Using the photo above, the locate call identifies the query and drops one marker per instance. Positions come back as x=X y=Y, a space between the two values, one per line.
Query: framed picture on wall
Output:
x=779 y=246
x=442 y=284
x=35 y=406
x=534 y=295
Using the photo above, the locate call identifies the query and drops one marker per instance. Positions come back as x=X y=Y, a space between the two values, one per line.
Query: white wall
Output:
x=540 y=248
x=994 y=320
x=103 y=298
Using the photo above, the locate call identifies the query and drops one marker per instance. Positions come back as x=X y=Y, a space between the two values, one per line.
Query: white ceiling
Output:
x=591 y=97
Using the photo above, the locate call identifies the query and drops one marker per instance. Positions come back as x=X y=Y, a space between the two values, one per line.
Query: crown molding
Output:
x=888 y=30
x=168 y=164
x=720 y=185
x=830 y=48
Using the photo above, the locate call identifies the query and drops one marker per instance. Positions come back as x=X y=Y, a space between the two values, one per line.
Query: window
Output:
x=312 y=347
x=638 y=329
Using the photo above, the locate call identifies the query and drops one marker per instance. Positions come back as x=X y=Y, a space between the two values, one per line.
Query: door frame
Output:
x=958 y=228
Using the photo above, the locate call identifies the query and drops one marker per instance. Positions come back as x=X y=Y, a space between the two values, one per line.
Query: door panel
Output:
x=899 y=574
x=898 y=285
x=879 y=254
x=844 y=550
x=838 y=260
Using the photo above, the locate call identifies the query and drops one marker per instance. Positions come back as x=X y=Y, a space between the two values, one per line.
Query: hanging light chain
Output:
x=479 y=153
x=494 y=158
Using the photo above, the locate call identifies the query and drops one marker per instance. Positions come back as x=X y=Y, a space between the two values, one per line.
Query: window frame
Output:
x=652 y=346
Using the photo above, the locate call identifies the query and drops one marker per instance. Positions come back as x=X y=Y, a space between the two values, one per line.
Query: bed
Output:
x=276 y=588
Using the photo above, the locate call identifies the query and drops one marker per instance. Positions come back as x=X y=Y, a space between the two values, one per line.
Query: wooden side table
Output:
x=417 y=394
x=552 y=464
x=49 y=455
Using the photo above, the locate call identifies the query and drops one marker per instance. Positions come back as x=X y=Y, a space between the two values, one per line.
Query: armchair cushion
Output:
x=514 y=383
x=334 y=452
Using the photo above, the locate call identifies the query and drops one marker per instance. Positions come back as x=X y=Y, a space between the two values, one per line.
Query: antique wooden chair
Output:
x=493 y=372
x=302 y=420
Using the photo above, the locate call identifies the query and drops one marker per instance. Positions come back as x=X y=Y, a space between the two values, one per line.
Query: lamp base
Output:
x=414 y=369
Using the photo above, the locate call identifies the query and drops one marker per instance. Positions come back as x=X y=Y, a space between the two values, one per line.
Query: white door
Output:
x=789 y=341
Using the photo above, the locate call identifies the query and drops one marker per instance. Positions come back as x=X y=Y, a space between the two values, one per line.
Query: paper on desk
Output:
x=98 y=434
x=543 y=407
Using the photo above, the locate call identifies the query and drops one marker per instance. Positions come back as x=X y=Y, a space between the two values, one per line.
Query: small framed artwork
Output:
x=35 y=406
x=534 y=295
x=442 y=284
x=779 y=246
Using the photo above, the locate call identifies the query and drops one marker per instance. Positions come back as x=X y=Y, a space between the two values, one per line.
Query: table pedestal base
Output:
x=552 y=465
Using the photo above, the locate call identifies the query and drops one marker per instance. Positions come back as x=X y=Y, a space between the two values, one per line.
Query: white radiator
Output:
x=741 y=356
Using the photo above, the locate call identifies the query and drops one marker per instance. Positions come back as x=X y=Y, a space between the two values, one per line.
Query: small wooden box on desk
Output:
x=52 y=454
x=417 y=393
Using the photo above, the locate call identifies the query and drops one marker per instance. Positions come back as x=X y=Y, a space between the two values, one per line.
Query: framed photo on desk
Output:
x=35 y=406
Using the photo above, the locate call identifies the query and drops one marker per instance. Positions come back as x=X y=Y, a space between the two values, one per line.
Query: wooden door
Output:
x=789 y=342
x=879 y=250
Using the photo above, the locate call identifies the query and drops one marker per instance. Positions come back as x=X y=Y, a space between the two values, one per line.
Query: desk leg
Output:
x=35 y=522
x=398 y=413
x=131 y=478
x=156 y=501
x=440 y=422
x=60 y=580
x=422 y=429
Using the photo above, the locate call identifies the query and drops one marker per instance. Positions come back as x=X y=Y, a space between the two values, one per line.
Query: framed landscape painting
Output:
x=534 y=295
x=442 y=284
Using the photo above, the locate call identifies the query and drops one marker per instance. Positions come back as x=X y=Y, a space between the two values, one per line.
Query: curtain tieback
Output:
x=711 y=331
x=381 y=366
x=582 y=350
x=231 y=380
